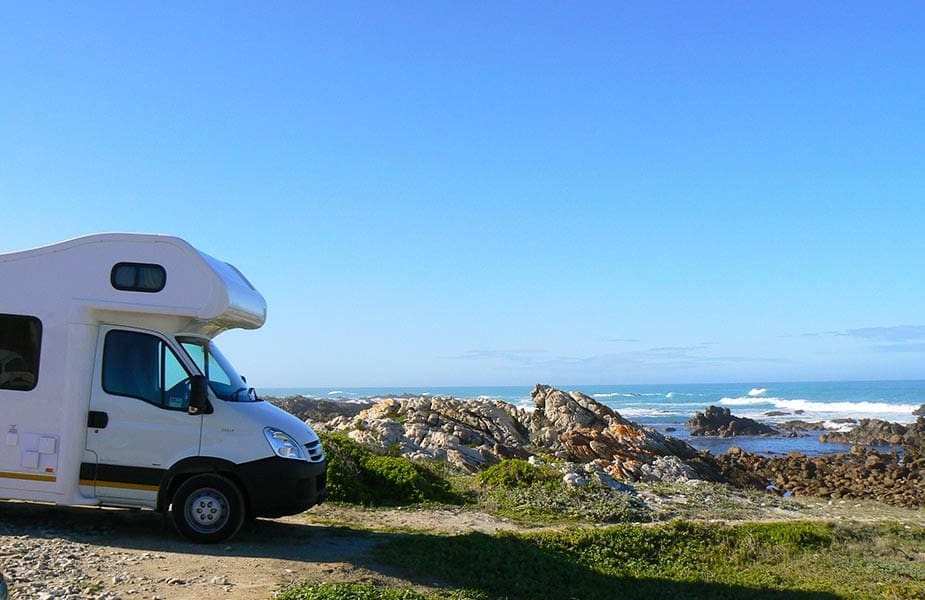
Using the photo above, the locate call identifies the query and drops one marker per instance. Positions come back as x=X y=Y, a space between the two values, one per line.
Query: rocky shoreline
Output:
x=579 y=431
x=863 y=473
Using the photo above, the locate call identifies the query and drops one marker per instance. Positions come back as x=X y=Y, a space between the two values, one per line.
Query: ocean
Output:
x=669 y=406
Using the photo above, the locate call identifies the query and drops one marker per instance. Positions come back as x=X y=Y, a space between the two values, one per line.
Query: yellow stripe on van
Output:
x=28 y=477
x=120 y=485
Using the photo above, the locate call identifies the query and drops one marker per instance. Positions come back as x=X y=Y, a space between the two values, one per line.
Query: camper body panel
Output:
x=42 y=447
x=230 y=418
x=76 y=437
x=201 y=294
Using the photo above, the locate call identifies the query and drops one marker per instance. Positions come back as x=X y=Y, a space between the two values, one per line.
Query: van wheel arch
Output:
x=199 y=465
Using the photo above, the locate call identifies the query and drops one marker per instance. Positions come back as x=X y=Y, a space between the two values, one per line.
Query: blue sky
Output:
x=437 y=193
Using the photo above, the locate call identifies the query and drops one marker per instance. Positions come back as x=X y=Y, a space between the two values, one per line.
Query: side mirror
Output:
x=198 y=395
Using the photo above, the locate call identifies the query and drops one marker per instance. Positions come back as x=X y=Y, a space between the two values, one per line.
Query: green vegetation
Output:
x=710 y=501
x=797 y=560
x=357 y=475
x=556 y=503
x=518 y=489
x=804 y=560
x=514 y=473
x=680 y=558
x=513 y=488
x=358 y=591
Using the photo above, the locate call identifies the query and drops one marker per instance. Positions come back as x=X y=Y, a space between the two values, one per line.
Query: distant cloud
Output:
x=516 y=356
x=902 y=347
x=675 y=349
x=896 y=333
x=899 y=333
x=517 y=360
x=819 y=334
x=696 y=356
x=897 y=338
x=663 y=359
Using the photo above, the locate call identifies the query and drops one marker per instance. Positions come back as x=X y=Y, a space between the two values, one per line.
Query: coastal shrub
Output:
x=701 y=500
x=514 y=473
x=357 y=475
x=520 y=489
x=553 y=501
x=401 y=481
x=345 y=467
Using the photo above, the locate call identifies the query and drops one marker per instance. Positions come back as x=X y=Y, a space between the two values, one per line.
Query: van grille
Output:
x=315 y=453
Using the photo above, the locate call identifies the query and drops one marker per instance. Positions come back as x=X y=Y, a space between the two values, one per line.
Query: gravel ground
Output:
x=104 y=554
x=75 y=554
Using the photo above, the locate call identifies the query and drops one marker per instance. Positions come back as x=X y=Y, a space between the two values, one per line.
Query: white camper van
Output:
x=112 y=392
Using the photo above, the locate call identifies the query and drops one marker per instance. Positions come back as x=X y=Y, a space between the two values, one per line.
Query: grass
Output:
x=802 y=560
x=684 y=557
x=357 y=591
x=555 y=503
x=710 y=501
x=681 y=559
x=524 y=491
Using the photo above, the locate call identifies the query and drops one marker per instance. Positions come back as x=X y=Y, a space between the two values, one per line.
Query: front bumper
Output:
x=277 y=486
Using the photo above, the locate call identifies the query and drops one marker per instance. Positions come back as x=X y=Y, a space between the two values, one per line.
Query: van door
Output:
x=139 y=423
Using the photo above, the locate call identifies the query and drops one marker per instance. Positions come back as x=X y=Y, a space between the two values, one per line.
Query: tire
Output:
x=208 y=508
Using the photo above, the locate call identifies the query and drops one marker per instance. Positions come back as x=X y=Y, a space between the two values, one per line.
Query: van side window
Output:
x=138 y=277
x=143 y=366
x=20 y=343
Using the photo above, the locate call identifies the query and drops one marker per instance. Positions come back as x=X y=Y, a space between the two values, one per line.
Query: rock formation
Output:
x=466 y=433
x=875 y=432
x=319 y=410
x=473 y=434
x=576 y=427
x=794 y=428
x=719 y=422
x=914 y=438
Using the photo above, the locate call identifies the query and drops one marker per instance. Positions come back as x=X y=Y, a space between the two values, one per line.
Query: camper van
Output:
x=113 y=392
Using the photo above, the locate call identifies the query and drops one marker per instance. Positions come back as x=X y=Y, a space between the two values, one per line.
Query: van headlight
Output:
x=283 y=444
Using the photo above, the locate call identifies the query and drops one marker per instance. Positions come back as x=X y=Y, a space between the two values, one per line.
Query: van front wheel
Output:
x=208 y=508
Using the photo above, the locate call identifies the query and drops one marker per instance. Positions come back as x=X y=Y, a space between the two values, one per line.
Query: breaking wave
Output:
x=848 y=407
x=881 y=410
x=747 y=401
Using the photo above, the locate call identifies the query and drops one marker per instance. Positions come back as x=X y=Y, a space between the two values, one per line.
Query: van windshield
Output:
x=223 y=379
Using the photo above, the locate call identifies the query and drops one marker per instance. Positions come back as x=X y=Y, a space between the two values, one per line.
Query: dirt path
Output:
x=56 y=552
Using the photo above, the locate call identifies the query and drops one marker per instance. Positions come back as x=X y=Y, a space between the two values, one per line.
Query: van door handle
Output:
x=97 y=419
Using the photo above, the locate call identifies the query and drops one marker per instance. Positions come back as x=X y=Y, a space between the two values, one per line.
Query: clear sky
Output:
x=484 y=193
